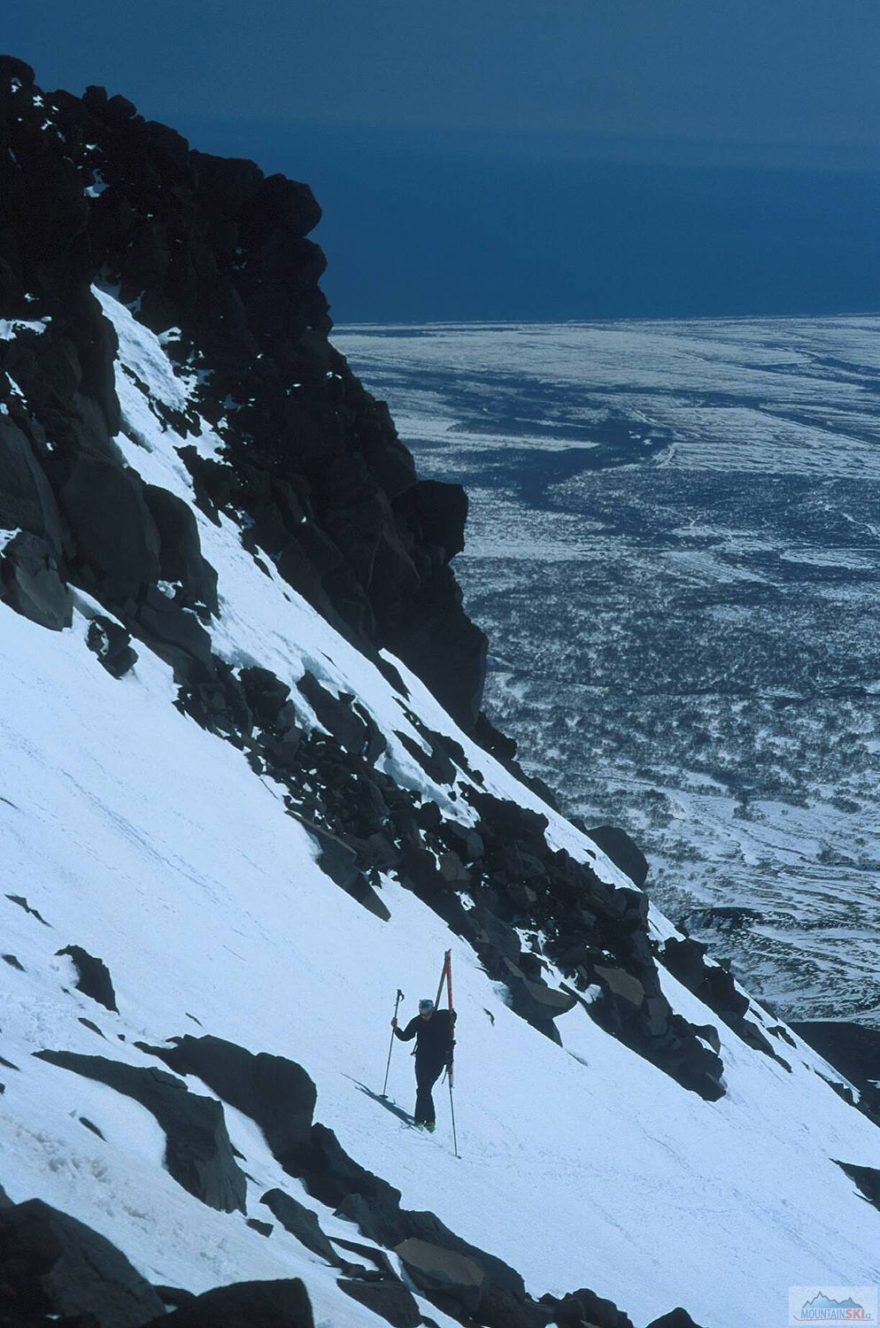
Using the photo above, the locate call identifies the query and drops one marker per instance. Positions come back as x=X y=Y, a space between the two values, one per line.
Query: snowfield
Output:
x=152 y=844
x=673 y=547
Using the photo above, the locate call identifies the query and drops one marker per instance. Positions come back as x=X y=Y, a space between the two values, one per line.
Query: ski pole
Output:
x=452 y=1112
x=448 y=968
x=397 y=1001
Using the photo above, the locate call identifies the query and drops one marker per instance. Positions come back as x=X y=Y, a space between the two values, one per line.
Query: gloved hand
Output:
x=394 y=1022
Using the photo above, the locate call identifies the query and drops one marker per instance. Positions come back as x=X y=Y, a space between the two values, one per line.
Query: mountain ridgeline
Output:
x=196 y=489
x=215 y=250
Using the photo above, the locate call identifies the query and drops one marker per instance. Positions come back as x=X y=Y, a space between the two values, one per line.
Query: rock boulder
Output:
x=53 y=1266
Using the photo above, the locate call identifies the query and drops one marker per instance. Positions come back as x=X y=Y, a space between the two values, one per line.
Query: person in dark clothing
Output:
x=432 y=1030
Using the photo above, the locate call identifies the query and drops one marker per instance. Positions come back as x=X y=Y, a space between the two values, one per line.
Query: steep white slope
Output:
x=152 y=844
x=263 y=621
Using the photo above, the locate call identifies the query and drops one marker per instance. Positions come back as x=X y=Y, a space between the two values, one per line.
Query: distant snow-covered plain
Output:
x=674 y=546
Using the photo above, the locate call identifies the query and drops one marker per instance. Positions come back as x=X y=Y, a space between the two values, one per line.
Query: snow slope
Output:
x=151 y=843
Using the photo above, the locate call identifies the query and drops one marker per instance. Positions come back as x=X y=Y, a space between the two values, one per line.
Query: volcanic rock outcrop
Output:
x=214 y=255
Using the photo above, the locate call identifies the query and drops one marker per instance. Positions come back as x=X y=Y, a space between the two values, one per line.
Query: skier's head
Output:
x=426 y=1008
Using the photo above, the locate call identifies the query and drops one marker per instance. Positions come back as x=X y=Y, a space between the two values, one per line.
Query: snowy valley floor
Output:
x=674 y=547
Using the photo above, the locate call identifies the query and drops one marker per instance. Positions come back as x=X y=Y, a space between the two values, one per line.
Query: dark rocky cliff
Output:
x=214 y=257
x=92 y=192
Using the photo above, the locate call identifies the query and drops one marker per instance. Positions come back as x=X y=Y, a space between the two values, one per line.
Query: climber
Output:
x=432 y=1030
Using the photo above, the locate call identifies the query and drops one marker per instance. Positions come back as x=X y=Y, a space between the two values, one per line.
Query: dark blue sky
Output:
x=526 y=158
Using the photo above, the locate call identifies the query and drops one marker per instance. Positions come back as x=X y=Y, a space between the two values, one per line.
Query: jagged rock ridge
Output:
x=216 y=252
x=214 y=260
